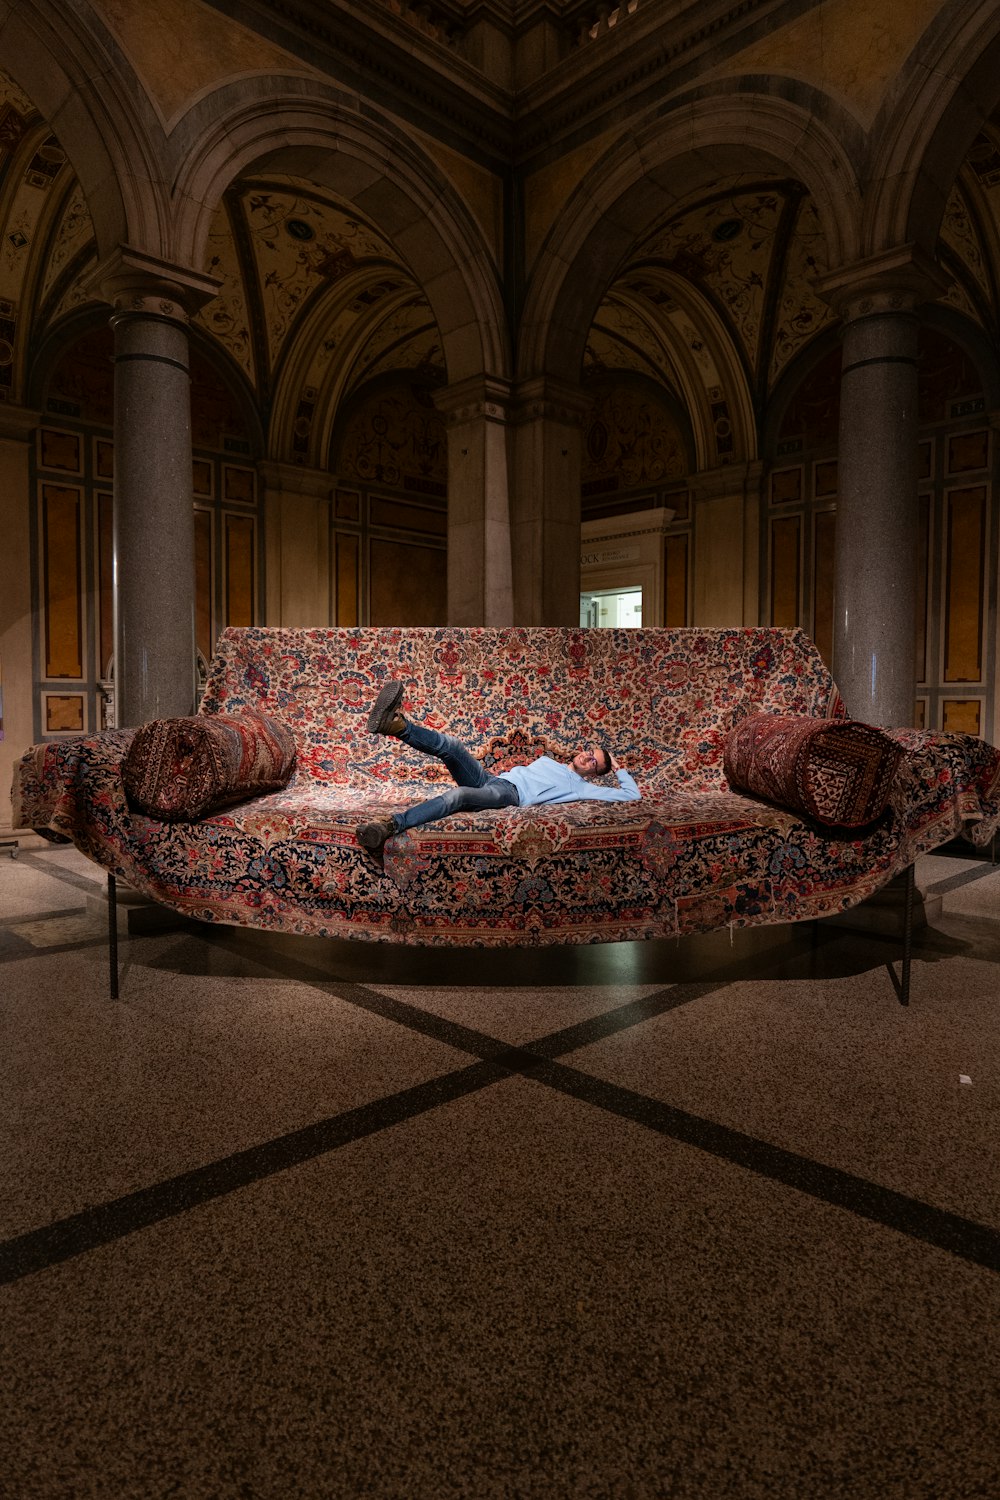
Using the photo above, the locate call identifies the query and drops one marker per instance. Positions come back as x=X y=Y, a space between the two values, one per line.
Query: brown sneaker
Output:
x=372 y=837
x=385 y=717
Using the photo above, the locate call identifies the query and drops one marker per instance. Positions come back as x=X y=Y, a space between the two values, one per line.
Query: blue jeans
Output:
x=475 y=787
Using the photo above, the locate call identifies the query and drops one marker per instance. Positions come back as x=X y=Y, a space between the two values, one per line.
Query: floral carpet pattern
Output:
x=691 y=856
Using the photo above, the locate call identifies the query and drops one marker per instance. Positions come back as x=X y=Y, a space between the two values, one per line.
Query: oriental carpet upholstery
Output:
x=691 y=856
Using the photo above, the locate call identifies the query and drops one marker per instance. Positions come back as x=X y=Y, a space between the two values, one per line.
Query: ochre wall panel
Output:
x=106 y=577
x=62 y=603
x=65 y=713
x=785 y=577
x=968 y=450
x=923 y=584
x=675 y=580
x=203 y=582
x=346 y=563
x=963 y=610
x=408 y=584
x=960 y=715
x=239 y=570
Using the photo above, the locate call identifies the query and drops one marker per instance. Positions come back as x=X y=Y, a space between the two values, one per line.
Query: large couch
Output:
x=692 y=855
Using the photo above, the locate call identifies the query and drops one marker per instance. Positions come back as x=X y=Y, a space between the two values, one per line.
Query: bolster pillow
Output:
x=181 y=769
x=837 y=771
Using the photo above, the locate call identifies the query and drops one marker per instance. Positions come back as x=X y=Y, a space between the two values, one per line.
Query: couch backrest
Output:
x=664 y=699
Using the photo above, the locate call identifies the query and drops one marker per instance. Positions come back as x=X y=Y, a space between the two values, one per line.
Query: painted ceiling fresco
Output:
x=313 y=300
x=753 y=257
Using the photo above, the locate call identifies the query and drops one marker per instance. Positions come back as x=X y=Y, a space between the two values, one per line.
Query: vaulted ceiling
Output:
x=717 y=301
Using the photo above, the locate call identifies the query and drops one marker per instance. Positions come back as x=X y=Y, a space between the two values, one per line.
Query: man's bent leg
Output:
x=462 y=765
x=496 y=793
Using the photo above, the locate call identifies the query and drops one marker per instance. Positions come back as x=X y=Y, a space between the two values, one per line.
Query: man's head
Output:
x=595 y=760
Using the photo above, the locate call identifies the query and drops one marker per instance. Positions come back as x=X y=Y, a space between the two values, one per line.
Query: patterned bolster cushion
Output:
x=182 y=769
x=836 y=771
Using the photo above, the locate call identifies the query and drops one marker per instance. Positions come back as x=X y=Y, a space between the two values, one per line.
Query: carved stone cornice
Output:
x=641 y=523
x=895 y=281
x=712 y=484
x=654 y=49
x=363 y=45
x=547 y=399
x=657 y=51
x=297 y=479
x=18 y=423
x=485 y=398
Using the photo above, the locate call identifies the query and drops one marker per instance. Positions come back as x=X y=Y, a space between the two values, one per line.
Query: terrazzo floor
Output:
x=300 y=1219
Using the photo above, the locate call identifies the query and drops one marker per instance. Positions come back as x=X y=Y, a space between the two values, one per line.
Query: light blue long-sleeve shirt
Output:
x=548 y=780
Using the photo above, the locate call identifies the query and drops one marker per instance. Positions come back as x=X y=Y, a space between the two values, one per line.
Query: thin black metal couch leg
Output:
x=901 y=984
x=113 y=934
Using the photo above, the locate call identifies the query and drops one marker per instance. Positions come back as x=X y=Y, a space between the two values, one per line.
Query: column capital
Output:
x=139 y=284
x=480 y=397
x=545 y=397
x=894 y=281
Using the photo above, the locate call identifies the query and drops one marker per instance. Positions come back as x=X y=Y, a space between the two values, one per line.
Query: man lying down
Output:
x=544 y=780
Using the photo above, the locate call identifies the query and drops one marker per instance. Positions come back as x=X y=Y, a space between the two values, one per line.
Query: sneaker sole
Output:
x=386 y=704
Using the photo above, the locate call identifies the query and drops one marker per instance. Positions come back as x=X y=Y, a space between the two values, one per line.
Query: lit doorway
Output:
x=612 y=608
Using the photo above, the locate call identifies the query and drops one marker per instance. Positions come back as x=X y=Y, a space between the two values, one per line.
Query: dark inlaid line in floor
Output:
x=22 y=948
x=106 y=1222
x=81 y=1232
x=43 y=916
x=38 y=860
x=971 y=1241
x=964 y=877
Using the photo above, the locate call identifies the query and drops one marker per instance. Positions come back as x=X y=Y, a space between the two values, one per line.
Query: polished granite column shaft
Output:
x=153 y=516
x=875 y=586
x=155 y=669
x=875 y=558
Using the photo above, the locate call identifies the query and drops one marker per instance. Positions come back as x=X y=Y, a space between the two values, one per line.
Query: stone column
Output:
x=479 y=537
x=297 y=544
x=548 y=421
x=875 y=556
x=153 y=507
